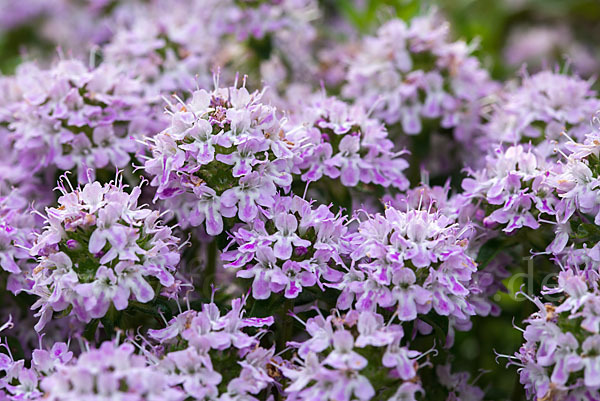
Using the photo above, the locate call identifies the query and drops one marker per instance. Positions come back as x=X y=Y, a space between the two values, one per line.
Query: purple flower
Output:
x=408 y=73
x=393 y=249
x=329 y=364
x=125 y=245
x=342 y=142
x=411 y=297
x=342 y=356
x=191 y=366
x=556 y=352
x=400 y=358
x=289 y=228
x=70 y=116
x=225 y=154
x=117 y=370
x=543 y=106
x=18 y=228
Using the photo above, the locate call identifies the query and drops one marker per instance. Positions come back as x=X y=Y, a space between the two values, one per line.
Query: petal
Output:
x=97 y=241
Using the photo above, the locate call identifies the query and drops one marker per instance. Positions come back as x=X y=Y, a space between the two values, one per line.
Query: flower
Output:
x=292 y=245
x=71 y=116
x=225 y=154
x=342 y=142
x=99 y=248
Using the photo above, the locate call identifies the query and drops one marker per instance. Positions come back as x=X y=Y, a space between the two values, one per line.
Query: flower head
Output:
x=292 y=245
x=74 y=117
x=342 y=142
x=99 y=248
x=412 y=73
x=223 y=155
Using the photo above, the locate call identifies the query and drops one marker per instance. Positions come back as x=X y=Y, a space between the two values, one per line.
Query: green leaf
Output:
x=90 y=330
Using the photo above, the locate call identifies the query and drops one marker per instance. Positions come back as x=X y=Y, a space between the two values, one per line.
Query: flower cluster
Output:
x=342 y=360
x=99 y=249
x=577 y=182
x=414 y=260
x=519 y=188
x=514 y=185
x=554 y=194
x=109 y=372
x=560 y=358
x=338 y=140
x=177 y=372
x=24 y=383
x=17 y=234
x=292 y=246
x=409 y=73
x=545 y=105
x=210 y=356
x=164 y=45
x=173 y=52
x=74 y=117
x=224 y=154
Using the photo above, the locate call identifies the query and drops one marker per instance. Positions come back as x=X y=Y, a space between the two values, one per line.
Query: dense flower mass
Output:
x=333 y=363
x=224 y=155
x=174 y=52
x=412 y=72
x=514 y=184
x=210 y=356
x=544 y=106
x=17 y=234
x=71 y=117
x=306 y=206
x=291 y=247
x=100 y=250
x=337 y=140
x=559 y=359
x=110 y=372
x=413 y=261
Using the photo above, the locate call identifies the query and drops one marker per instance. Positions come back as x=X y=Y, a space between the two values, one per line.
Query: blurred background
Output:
x=540 y=33
x=509 y=34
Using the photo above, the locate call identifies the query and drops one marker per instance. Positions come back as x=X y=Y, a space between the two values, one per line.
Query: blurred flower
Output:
x=411 y=73
x=70 y=116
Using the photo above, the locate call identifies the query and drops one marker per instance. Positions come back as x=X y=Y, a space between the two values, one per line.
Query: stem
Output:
x=288 y=323
x=210 y=268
